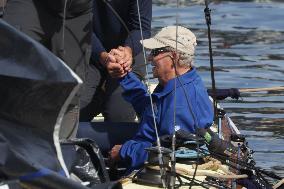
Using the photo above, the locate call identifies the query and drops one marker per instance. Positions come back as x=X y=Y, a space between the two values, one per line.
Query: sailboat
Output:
x=31 y=156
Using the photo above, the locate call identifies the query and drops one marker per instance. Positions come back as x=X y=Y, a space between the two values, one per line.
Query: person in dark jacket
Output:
x=193 y=109
x=62 y=26
x=116 y=29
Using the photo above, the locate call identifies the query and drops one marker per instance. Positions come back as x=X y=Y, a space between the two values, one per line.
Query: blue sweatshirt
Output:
x=163 y=99
x=108 y=30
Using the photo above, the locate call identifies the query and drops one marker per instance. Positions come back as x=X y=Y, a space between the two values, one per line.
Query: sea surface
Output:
x=248 y=52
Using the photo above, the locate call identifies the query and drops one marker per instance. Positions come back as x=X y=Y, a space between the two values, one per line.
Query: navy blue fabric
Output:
x=107 y=134
x=163 y=98
x=222 y=94
x=109 y=32
x=41 y=173
x=248 y=183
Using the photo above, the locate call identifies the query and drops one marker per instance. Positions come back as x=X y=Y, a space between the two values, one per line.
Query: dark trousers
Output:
x=46 y=26
x=107 y=98
x=106 y=135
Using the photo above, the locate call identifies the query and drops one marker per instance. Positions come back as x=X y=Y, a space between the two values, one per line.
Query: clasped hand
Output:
x=118 y=62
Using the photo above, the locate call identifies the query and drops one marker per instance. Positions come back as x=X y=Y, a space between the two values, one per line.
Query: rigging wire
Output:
x=195 y=126
x=120 y=20
x=117 y=16
x=62 y=50
x=208 y=22
x=160 y=155
x=173 y=158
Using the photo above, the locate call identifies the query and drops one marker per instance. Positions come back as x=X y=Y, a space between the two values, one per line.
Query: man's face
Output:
x=161 y=62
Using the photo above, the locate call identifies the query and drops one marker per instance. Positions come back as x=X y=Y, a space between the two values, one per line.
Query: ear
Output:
x=175 y=57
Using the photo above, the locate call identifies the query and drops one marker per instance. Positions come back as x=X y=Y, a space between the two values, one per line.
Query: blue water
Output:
x=248 y=47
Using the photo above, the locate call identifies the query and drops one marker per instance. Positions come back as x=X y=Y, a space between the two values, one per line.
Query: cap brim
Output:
x=152 y=43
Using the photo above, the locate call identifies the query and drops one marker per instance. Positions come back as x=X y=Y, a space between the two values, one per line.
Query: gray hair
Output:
x=185 y=60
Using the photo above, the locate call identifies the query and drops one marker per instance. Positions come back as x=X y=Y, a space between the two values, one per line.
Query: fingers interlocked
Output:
x=119 y=61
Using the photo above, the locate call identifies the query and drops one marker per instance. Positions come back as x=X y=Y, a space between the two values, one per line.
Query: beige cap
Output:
x=186 y=40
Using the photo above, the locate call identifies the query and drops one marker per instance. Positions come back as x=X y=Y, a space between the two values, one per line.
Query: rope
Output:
x=262 y=89
x=278 y=184
x=190 y=172
x=258 y=172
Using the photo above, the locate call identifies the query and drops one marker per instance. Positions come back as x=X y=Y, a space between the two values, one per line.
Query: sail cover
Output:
x=35 y=89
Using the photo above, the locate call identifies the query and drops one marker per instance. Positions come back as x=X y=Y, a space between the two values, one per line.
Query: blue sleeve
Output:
x=135 y=92
x=133 y=39
x=133 y=151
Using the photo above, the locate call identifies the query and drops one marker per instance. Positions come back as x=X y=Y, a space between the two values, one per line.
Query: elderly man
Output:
x=192 y=107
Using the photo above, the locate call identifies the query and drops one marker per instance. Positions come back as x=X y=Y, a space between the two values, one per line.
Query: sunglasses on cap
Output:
x=156 y=52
